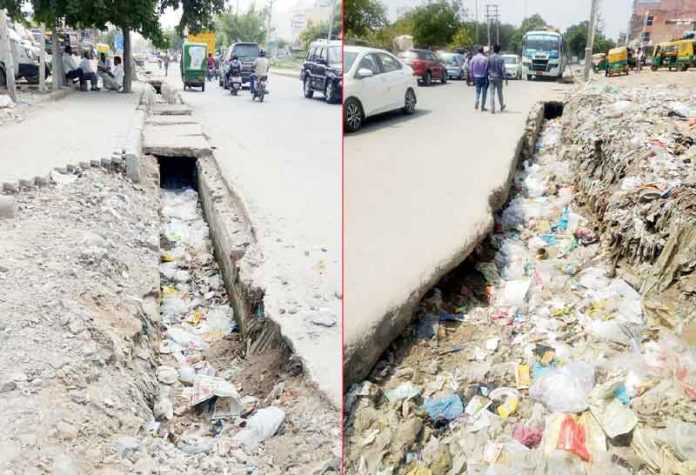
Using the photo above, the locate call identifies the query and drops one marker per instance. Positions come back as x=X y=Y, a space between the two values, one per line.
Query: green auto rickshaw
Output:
x=665 y=56
x=194 y=64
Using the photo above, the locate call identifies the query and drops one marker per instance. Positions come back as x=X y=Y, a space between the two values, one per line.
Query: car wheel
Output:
x=444 y=77
x=308 y=92
x=352 y=115
x=330 y=92
x=410 y=102
x=428 y=79
x=529 y=77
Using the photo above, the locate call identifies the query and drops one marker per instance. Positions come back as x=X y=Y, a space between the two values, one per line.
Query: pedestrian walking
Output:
x=478 y=70
x=496 y=75
x=166 y=64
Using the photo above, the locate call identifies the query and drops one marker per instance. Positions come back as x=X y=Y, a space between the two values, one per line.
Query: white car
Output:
x=374 y=81
x=513 y=66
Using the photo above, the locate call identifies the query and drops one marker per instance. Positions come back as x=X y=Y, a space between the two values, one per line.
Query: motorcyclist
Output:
x=235 y=68
x=211 y=65
x=260 y=70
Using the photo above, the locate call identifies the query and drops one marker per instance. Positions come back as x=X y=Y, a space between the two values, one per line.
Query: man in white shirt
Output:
x=260 y=70
x=72 y=72
x=88 y=73
x=113 y=81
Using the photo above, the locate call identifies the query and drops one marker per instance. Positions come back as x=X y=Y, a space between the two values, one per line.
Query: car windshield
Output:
x=246 y=51
x=335 y=56
x=510 y=60
x=448 y=58
x=349 y=59
x=542 y=42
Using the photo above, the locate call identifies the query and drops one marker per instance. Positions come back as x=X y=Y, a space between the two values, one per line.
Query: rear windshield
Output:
x=510 y=60
x=449 y=58
x=246 y=51
x=414 y=55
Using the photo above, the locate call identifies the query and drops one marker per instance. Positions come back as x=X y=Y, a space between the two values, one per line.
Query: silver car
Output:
x=513 y=66
x=455 y=64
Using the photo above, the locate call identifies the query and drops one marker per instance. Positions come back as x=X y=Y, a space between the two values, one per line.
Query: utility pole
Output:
x=477 y=24
x=493 y=14
x=331 y=22
x=6 y=55
x=590 y=39
x=42 y=59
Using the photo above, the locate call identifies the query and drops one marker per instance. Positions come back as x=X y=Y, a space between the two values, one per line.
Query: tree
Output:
x=312 y=32
x=435 y=23
x=534 y=22
x=362 y=17
x=462 y=38
x=250 y=26
x=14 y=9
x=576 y=39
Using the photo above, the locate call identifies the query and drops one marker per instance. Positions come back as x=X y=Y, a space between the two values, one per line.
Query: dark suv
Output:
x=322 y=70
x=246 y=53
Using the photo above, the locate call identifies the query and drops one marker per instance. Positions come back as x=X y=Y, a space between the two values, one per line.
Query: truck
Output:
x=207 y=37
x=543 y=54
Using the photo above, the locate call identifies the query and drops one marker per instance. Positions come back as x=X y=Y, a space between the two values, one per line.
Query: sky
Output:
x=559 y=13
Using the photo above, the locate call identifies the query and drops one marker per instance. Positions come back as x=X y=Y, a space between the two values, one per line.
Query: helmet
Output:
x=262 y=53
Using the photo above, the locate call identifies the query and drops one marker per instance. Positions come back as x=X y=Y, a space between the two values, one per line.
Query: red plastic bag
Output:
x=572 y=437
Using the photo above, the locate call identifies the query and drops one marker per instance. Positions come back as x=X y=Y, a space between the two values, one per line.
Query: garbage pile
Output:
x=533 y=358
x=633 y=151
x=198 y=402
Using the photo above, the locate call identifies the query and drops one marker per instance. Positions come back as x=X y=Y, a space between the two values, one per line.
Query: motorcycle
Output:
x=235 y=84
x=259 y=89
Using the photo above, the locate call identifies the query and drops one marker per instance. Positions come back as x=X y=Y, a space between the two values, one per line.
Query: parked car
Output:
x=513 y=66
x=375 y=81
x=25 y=57
x=246 y=53
x=322 y=70
x=455 y=64
x=425 y=65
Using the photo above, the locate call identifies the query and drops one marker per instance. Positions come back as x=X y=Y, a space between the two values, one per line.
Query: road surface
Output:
x=417 y=192
x=283 y=157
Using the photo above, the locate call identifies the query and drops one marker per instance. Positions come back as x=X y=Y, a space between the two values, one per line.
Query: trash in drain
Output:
x=196 y=315
x=533 y=357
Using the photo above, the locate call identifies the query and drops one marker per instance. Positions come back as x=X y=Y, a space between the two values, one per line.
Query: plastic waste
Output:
x=404 y=391
x=514 y=293
x=444 y=408
x=205 y=387
x=261 y=426
x=572 y=437
x=565 y=389
x=528 y=436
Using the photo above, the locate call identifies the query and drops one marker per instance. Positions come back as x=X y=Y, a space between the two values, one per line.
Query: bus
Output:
x=543 y=54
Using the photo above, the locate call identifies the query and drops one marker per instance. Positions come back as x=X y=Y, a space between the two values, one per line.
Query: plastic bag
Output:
x=261 y=426
x=565 y=389
x=572 y=437
x=447 y=408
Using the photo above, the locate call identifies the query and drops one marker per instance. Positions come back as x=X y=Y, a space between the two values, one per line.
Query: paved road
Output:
x=284 y=158
x=81 y=127
x=417 y=195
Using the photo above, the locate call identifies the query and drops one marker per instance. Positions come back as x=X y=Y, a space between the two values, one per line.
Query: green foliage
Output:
x=435 y=23
x=462 y=38
x=576 y=39
x=197 y=15
x=14 y=9
x=249 y=26
x=313 y=32
x=362 y=17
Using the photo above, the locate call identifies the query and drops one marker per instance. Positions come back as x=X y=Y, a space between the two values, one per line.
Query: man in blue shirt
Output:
x=478 y=69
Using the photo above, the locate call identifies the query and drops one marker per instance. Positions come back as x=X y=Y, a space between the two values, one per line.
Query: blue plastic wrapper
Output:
x=447 y=407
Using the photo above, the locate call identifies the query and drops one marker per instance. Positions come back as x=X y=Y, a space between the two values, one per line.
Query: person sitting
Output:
x=88 y=73
x=103 y=66
x=72 y=72
x=113 y=80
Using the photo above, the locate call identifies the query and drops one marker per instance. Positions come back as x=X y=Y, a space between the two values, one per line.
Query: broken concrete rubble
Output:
x=545 y=335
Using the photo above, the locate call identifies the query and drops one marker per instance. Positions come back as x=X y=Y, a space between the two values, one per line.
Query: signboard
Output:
x=298 y=22
x=118 y=43
x=207 y=37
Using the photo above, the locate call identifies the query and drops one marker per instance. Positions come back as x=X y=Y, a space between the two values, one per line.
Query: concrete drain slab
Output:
x=170 y=120
x=171 y=109
x=181 y=140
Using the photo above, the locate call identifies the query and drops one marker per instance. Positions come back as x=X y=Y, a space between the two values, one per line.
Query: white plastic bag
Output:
x=261 y=426
x=565 y=389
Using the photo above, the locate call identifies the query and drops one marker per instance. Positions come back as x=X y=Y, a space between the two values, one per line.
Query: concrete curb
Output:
x=132 y=146
x=53 y=96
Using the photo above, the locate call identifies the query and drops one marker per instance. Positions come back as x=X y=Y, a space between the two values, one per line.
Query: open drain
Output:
x=198 y=397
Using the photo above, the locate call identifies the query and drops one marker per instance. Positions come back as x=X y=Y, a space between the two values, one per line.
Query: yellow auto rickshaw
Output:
x=665 y=55
x=685 y=54
x=617 y=61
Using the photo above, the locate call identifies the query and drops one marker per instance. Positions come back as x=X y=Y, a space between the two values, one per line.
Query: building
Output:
x=655 y=21
x=305 y=12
